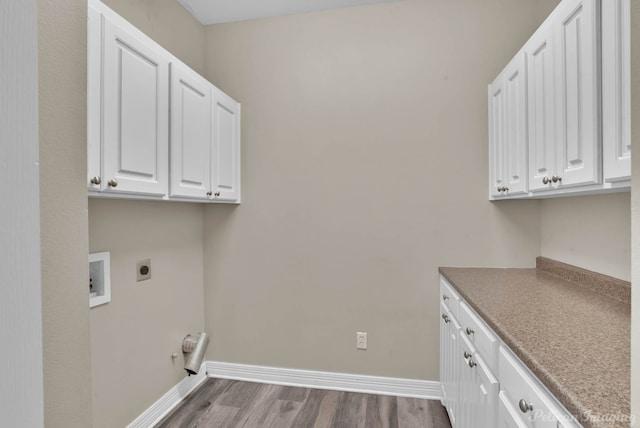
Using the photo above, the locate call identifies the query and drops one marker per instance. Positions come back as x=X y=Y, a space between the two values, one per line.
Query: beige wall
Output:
x=133 y=336
x=545 y=7
x=364 y=137
x=62 y=74
x=635 y=212
x=167 y=23
x=593 y=232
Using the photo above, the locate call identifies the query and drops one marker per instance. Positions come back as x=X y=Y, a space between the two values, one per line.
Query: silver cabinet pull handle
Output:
x=113 y=183
x=466 y=355
x=217 y=194
x=209 y=193
x=524 y=406
x=472 y=363
x=469 y=331
x=556 y=178
x=545 y=180
x=445 y=297
x=96 y=180
x=445 y=318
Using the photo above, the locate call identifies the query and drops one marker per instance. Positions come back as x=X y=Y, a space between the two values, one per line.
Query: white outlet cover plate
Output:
x=361 y=340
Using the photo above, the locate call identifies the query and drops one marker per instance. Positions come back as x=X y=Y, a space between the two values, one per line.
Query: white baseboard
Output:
x=326 y=380
x=292 y=377
x=170 y=400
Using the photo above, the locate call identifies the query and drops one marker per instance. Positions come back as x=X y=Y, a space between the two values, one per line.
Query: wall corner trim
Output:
x=170 y=400
x=326 y=380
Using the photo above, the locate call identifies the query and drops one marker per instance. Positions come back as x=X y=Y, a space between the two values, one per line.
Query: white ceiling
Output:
x=218 y=11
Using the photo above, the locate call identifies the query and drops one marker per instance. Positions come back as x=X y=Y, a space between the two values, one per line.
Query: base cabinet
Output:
x=484 y=385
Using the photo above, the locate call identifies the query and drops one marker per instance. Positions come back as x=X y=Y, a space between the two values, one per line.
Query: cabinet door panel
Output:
x=496 y=137
x=94 y=115
x=576 y=38
x=541 y=108
x=135 y=106
x=485 y=394
x=616 y=90
x=449 y=330
x=190 y=133
x=516 y=126
x=226 y=154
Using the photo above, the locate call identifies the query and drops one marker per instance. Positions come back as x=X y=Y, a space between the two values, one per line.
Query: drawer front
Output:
x=449 y=296
x=480 y=335
x=520 y=389
x=508 y=417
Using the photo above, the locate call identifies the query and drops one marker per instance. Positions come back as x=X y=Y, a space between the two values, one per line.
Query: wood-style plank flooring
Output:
x=223 y=403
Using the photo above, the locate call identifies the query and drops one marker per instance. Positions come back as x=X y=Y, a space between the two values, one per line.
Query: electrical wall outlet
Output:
x=361 y=340
x=143 y=270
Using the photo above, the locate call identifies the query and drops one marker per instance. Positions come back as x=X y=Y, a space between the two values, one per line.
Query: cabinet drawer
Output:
x=449 y=297
x=508 y=417
x=520 y=389
x=479 y=334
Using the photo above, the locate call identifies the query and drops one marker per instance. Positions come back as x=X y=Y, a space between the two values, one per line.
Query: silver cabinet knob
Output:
x=545 y=180
x=217 y=194
x=556 y=178
x=466 y=355
x=96 y=180
x=113 y=182
x=445 y=297
x=469 y=331
x=524 y=405
x=445 y=318
x=209 y=194
x=505 y=189
x=472 y=363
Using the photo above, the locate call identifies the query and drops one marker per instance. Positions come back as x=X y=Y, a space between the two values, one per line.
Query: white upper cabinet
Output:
x=577 y=93
x=226 y=152
x=508 y=130
x=497 y=136
x=541 y=107
x=156 y=128
x=616 y=90
x=191 y=137
x=128 y=107
x=577 y=97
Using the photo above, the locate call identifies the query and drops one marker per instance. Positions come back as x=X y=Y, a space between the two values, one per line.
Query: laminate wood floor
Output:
x=223 y=403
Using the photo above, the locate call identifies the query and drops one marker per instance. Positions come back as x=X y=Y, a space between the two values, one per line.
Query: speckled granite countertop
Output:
x=574 y=336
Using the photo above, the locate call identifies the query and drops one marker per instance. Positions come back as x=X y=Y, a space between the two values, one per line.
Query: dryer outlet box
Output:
x=143 y=270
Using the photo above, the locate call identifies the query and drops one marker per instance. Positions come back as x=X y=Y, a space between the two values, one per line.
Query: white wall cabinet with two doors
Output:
x=559 y=112
x=156 y=128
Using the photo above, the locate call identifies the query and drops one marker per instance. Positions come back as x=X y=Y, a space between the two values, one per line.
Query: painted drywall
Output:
x=593 y=232
x=62 y=74
x=635 y=213
x=21 y=388
x=168 y=24
x=133 y=336
x=364 y=154
x=545 y=7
